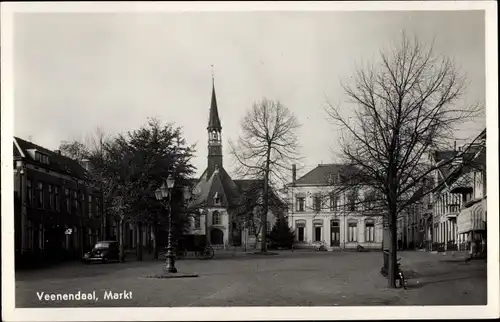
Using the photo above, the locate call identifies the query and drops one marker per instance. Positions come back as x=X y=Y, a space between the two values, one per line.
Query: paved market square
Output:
x=238 y=279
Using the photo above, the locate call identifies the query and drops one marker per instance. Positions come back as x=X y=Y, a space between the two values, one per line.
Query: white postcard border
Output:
x=247 y=313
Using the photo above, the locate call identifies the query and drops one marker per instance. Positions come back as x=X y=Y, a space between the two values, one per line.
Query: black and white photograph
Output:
x=249 y=161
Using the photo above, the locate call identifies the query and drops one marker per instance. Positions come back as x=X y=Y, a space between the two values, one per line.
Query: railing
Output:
x=464 y=246
x=439 y=247
x=426 y=244
x=452 y=246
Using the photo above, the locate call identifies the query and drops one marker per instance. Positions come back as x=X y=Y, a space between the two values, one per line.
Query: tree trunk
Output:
x=120 y=237
x=138 y=248
x=391 y=277
x=263 y=246
x=154 y=233
x=256 y=241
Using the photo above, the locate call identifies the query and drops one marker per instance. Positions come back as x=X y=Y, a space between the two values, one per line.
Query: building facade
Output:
x=321 y=211
x=58 y=209
x=459 y=200
x=470 y=185
x=220 y=198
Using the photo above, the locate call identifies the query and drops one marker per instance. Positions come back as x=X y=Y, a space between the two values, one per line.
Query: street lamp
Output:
x=164 y=195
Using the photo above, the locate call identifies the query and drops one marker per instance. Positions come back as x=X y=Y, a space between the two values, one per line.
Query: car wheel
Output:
x=104 y=260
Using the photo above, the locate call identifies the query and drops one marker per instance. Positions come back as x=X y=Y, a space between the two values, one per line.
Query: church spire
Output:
x=214 y=136
x=214 y=120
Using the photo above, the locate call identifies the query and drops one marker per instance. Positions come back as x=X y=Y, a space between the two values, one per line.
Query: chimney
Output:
x=294 y=173
x=455 y=148
x=57 y=151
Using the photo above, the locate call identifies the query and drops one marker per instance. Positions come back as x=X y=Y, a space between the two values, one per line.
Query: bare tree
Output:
x=267 y=148
x=250 y=213
x=405 y=106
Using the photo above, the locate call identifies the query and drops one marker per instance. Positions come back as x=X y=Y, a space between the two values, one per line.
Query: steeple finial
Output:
x=213 y=81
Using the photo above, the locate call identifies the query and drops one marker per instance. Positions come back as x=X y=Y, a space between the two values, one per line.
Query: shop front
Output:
x=471 y=224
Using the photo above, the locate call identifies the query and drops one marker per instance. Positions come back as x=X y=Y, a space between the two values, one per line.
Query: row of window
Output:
x=73 y=200
x=36 y=237
x=351 y=233
x=334 y=204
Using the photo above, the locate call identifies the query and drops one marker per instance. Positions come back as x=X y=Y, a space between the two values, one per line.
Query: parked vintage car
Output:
x=103 y=251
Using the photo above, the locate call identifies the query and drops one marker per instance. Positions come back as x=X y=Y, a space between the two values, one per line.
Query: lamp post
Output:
x=164 y=195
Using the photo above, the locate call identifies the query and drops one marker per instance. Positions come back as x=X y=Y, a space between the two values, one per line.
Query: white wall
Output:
x=325 y=216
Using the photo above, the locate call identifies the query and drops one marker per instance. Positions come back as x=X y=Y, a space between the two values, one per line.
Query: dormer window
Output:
x=216 y=199
x=42 y=158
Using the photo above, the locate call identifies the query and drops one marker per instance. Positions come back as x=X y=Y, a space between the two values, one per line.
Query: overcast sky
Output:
x=74 y=72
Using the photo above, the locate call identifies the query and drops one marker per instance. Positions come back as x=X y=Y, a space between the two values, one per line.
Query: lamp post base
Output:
x=170 y=269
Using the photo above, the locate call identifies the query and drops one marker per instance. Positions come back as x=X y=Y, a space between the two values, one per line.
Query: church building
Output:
x=221 y=199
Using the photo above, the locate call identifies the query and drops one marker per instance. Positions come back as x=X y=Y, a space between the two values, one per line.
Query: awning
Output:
x=472 y=218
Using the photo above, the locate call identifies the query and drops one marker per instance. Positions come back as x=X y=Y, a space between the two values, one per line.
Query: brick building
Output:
x=58 y=209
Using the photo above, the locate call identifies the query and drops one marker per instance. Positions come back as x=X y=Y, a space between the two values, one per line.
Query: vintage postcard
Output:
x=249 y=161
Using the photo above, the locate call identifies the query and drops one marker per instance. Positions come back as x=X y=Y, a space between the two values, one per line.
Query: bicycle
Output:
x=321 y=247
x=206 y=253
x=400 y=278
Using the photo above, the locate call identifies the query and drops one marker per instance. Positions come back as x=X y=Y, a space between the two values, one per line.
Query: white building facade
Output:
x=320 y=214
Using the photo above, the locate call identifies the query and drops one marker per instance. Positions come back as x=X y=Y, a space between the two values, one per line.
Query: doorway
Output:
x=335 y=233
x=216 y=237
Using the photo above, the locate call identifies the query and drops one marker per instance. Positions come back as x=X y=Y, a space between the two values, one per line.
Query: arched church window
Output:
x=214 y=135
x=216 y=218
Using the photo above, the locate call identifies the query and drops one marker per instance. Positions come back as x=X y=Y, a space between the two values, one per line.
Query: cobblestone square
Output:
x=288 y=279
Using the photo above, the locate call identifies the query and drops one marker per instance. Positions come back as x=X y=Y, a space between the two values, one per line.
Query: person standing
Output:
x=472 y=247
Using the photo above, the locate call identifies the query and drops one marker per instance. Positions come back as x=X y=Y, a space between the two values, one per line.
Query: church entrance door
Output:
x=216 y=236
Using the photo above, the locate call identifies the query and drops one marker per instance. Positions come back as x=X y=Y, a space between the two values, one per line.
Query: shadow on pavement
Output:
x=423 y=284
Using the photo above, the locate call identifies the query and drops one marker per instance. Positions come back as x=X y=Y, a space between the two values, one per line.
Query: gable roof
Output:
x=58 y=162
x=324 y=173
x=232 y=193
x=220 y=184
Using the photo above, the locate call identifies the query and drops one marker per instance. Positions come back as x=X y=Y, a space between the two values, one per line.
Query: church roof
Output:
x=214 y=120
x=220 y=186
x=231 y=193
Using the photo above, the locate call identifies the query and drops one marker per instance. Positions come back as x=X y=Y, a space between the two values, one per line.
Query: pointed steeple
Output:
x=213 y=120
